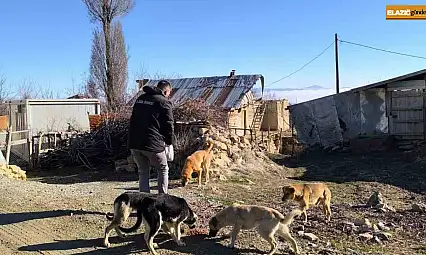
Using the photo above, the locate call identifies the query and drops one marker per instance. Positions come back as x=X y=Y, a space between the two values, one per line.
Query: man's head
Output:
x=165 y=86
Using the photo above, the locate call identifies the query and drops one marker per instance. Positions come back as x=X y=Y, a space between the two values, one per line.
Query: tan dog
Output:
x=198 y=162
x=307 y=194
x=267 y=220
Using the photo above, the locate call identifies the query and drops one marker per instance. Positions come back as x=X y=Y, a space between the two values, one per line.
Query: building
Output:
x=234 y=93
x=50 y=115
x=393 y=107
x=29 y=117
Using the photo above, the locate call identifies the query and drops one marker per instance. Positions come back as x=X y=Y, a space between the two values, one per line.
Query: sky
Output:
x=49 y=41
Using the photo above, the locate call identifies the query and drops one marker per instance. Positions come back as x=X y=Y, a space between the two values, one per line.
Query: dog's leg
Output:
x=269 y=237
x=207 y=170
x=284 y=232
x=328 y=210
x=200 y=173
x=151 y=232
x=234 y=234
x=166 y=228
x=177 y=235
x=108 y=230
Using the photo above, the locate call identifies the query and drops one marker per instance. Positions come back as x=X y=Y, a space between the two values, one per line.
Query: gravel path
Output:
x=40 y=216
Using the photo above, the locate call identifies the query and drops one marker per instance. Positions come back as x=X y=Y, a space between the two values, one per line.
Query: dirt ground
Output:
x=63 y=212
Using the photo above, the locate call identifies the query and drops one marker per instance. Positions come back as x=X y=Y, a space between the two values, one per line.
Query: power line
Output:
x=298 y=70
x=378 y=49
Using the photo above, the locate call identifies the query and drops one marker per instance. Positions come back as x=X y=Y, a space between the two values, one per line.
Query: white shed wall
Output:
x=55 y=117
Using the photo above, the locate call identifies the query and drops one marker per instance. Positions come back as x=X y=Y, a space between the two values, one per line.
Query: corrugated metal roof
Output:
x=223 y=91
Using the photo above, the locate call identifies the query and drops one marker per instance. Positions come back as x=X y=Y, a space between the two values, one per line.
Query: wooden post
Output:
x=292 y=138
x=8 y=144
x=268 y=142
x=336 y=42
x=40 y=142
x=251 y=136
x=261 y=136
x=55 y=140
x=30 y=152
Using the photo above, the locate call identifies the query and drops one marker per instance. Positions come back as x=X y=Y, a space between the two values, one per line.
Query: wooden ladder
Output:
x=258 y=117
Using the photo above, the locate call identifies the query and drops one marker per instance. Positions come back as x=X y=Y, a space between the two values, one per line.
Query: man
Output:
x=151 y=129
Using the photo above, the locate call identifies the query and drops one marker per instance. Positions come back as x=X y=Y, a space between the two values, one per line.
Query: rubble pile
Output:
x=230 y=153
x=13 y=172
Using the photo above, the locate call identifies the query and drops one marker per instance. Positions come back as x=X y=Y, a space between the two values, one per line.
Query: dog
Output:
x=309 y=194
x=198 y=162
x=155 y=211
x=267 y=220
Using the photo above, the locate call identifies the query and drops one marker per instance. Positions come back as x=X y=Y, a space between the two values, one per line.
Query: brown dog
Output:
x=307 y=194
x=198 y=162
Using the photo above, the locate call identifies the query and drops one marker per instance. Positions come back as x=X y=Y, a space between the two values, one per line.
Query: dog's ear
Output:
x=288 y=189
x=214 y=221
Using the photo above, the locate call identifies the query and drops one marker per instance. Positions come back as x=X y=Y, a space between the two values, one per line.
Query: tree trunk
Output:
x=108 y=60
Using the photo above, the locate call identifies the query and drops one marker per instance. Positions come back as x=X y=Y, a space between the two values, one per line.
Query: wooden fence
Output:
x=14 y=138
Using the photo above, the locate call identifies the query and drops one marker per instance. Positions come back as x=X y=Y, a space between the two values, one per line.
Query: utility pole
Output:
x=336 y=55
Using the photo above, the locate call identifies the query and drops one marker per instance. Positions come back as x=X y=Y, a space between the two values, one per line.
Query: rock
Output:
x=311 y=237
x=234 y=139
x=377 y=240
x=221 y=146
x=312 y=245
x=222 y=177
x=363 y=222
x=375 y=199
x=366 y=236
x=375 y=228
x=244 y=140
x=418 y=207
x=202 y=131
x=383 y=235
x=221 y=160
x=382 y=226
x=384 y=208
x=239 y=161
x=300 y=233
x=249 y=181
x=300 y=228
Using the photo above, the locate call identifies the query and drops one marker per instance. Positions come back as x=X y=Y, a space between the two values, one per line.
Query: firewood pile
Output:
x=94 y=150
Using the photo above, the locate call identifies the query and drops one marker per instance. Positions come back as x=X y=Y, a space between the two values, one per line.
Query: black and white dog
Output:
x=155 y=211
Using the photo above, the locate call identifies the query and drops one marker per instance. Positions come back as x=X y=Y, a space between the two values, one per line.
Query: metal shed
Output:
x=393 y=107
x=46 y=115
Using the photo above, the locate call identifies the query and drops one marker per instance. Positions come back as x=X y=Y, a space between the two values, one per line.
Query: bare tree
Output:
x=77 y=89
x=27 y=90
x=97 y=84
x=104 y=11
x=5 y=90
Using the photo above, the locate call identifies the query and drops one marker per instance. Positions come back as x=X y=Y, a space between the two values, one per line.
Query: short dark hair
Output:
x=163 y=84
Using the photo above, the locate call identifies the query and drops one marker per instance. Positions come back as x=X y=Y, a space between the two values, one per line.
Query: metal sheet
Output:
x=327 y=121
x=305 y=124
x=373 y=111
x=194 y=87
x=349 y=111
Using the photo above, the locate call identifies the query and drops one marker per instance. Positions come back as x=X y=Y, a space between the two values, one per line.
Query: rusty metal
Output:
x=225 y=91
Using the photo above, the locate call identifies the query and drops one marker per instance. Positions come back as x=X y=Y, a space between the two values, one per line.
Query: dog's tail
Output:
x=135 y=227
x=210 y=145
x=288 y=219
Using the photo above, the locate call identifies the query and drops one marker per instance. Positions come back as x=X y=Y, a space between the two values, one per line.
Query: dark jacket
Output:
x=151 y=123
